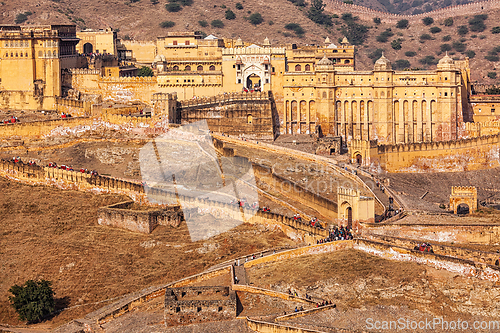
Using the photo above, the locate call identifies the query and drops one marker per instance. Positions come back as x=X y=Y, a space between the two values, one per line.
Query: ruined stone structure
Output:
x=329 y=146
x=188 y=305
x=463 y=199
x=354 y=208
x=145 y=220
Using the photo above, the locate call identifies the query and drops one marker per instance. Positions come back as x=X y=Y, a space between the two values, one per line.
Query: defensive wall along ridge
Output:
x=468 y=268
x=461 y=155
x=482 y=7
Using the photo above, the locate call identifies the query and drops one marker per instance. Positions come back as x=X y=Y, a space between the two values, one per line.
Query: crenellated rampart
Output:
x=38 y=129
x=365 y=13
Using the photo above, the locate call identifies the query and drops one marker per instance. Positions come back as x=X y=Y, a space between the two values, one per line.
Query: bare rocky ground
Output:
x=364 y=286
x=53 y=234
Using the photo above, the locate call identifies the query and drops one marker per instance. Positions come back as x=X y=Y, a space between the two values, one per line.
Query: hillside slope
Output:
x=141 y=21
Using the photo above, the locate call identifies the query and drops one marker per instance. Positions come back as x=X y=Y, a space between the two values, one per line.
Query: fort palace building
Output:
x=313 y=87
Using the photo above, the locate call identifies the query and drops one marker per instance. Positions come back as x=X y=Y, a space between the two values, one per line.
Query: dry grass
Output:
x=53 y=234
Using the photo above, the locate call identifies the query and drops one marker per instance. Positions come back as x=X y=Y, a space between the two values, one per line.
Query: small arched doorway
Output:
x=349 y=217
x=253 y=81
x=359 y=159
x=88 y=48
x=249 y=119
x=463 y=209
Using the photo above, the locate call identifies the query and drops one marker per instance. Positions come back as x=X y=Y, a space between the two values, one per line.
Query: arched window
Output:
x=54 y=53
x=298 y=68
x=17 y=44
x=17 y=55
x=6 y=54
x=347 y=61
x=176 y=68
x=307 y=68
x=212 y=67
x=26 y=55
x=188 y=68
x=6 y=44
x=199 y=68
x=21 y=54
x=12 y=54
x=26 y=44
x=40 y=54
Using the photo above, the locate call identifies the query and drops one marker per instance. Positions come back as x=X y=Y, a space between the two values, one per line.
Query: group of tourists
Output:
x=342 y=233
x=65 y=115
x=424 y=247
x=12 y=120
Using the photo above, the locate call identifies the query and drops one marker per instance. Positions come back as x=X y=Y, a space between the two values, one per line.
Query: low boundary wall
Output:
x=305 y=312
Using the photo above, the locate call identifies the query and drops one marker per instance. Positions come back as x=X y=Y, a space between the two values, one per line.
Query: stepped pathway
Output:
x=241 y=274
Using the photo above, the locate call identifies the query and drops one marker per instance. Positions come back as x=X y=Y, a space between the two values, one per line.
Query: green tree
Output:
x=167 y=24
x=428 y=20
x=477 y=23
x=239 y=6
x=217 y=24
x=255 y=19
x=203 y=23
x=448 y=22
x=402 y=24
x=428 y=60
x=384 y=36
x=495 y=30
x=492 y=75
x=435 y=30
x=401 y=64
x=316 y=13
x=445 y=47
x=173 y=7
x=462 y=30
x=21 y=18
x=470 y=54
x=230 y=15
x=296 y=28
x=396 y=44
x=356 y=33
x=459 y=46
x=410 y=53
x=145 y=71
x=375 y=55
x=425 y=37
x=446 y=38
x=33 y=301
x=377 y=20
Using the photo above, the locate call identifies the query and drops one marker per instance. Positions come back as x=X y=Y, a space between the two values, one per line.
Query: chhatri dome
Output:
x=446 y=62
x=324 y=61
x=383 y=64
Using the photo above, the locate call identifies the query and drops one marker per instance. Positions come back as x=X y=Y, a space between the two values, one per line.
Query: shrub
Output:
x=173 y=7
x=410 y=53
x=203 y=23
x=347 y=17
x=402 y=64
x=33 y=301
x=21 y=18
x=473 y=36
x=217 y=24
x=435 y=30
x=492 y=75
x=230 y=15
x=298 y=3
x=145 y=71
x=469 y=53
x=492 y=58
x=384 y=36
x=167 y=24
x=355 y=32
x=428 y=20
x=127 y=37
x=184 y=2
x=425 y=37
x=445 y=47
x=375 y=55
x=459 y=46
x=462 y=30
x=256 y=19
x=317 y=15
x=402 y=24
x=155 y=2
x=296 y=28
x=448 y=22
x=396 y=44
x=239 y=6
x=493 y=91
x=223 y=6
x=477 y=23
x=377 y=20
x=482 y=36
x=270 y=22
x=495 y=30
x=428 y=60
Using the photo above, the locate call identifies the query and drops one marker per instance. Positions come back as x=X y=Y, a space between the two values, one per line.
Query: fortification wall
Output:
x=364 y=13
x=118 y=89
x=461 y=155
x=295 y=191
x=73 y=107
x=142 y=51
x=38 y=129
x=457 y=234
